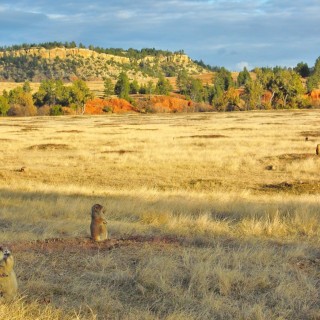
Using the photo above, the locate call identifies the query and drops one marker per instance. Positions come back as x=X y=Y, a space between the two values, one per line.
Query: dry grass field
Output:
x=211 y=216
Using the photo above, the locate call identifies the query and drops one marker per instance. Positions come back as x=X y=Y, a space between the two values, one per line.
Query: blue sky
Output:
x=232 y=33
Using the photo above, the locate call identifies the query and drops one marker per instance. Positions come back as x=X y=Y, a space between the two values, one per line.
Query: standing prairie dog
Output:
x=318 y=149
x=8 y=279
x=98 y=226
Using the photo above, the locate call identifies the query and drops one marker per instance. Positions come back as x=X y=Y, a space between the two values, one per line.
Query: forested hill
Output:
x=68 y=61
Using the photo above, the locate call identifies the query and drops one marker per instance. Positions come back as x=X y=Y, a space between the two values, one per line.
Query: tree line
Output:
x=54 y=97
x=51 y=99
x=262 y=88
x=266 y=88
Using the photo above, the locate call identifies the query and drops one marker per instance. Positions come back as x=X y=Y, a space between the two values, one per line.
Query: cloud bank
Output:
x=232 y=33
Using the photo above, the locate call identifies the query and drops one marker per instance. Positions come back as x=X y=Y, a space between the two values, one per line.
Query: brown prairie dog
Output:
x=8 y=279
x=98 y=226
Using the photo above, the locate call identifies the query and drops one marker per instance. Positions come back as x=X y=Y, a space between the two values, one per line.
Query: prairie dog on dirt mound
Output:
x=98 y=226
x=8 y=279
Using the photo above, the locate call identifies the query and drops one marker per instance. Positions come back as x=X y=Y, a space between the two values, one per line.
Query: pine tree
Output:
x=122 y=87
x=108 y=87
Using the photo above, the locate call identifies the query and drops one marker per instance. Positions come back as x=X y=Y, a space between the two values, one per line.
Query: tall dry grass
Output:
x=234 y=239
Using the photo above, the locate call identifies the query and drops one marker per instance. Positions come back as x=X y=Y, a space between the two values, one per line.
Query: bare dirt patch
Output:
x=274 y=123
x=49 y=146
x=121 y=151
x=69 y=131
x=141 y=129
x=311 y=133
x=307 y=264
x=291 y=157
x=205 y=136
x=295 y=187
x=79 y=244
x=10 y=125
x=204 y=183
x=296 y=156
x=238 y=128
x=31 y=128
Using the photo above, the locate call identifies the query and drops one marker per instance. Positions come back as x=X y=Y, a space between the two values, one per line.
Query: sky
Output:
x=233 y=34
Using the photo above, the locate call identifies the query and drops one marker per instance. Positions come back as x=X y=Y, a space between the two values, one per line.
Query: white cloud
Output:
x=56 y=16
x=125 y=14
x=241 y=65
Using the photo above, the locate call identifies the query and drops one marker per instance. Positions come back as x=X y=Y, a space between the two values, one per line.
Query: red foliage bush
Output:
x=114 y=105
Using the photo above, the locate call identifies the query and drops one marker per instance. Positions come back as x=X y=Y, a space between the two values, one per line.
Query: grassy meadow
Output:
x=210 y=215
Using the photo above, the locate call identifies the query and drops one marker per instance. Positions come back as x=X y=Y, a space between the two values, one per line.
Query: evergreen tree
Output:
x=4 y=105
x=134 y=87
x=243 y=77
x=143 y=89
x=314 y=80
x=26 y=86
x=195 y=90
x=122 y=87
x=150 y=88
x=284 y=85
x=80 y=94
x=223 y=80
x=289 y=86
x=21 y=103
x=303 y=69
x=108 y=87
x=182 y=81
x=51 y=92
x=163 y=86
x=253 y=94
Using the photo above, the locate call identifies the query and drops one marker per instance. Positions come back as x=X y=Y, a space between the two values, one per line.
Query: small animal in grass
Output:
x=98 y=226
x=8 y=279
x=318 y=150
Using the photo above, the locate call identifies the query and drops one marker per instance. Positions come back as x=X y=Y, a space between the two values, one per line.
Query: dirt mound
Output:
x=120 y=152
x=292 y=157
x=77 y=244
x=314 y=133
x=114 y=105
x=205 y=136
x=49 y=146
x=296 y=156
x=295 y=187
x=307 y=264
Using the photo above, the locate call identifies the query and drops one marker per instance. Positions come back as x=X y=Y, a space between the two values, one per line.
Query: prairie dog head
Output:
x=6 y=260
x=97 y=211
x=4 y=253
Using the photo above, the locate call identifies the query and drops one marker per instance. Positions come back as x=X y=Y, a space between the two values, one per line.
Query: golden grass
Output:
x=199 y=227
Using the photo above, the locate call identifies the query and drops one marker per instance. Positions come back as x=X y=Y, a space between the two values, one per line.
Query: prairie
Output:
x=210 y=215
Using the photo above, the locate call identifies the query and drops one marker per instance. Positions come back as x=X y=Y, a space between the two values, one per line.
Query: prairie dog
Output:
x=98 y=226
x=8 y=279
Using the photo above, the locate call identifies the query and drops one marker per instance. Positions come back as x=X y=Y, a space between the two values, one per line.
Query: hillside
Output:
x=38 y=63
